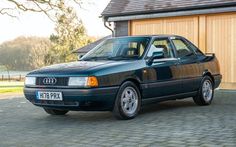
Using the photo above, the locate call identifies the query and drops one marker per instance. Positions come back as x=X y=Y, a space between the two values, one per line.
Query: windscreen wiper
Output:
x=122 y=57
x=95 y=58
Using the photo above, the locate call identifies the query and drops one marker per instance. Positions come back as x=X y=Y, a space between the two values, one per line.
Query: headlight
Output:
x=83 y=81
x=30 y=80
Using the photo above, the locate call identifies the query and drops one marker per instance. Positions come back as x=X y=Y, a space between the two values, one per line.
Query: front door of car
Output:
x=189 y=64
x=162 y=75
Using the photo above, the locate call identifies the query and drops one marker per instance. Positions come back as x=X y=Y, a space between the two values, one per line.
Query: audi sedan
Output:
x=121 y=74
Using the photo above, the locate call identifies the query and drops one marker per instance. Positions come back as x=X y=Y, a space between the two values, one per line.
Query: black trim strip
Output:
x=76 y=92
x=171 y=97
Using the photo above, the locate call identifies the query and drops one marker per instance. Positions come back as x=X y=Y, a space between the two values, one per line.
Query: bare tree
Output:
x=40 y=54
x=48 y=7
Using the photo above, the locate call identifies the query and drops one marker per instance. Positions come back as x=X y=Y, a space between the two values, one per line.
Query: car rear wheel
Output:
x=128 y=101
x=55 y=112
x=206 y=92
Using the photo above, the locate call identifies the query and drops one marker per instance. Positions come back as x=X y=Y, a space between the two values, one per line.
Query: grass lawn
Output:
x=11 y=90
x=10 y=84
x=11 y=87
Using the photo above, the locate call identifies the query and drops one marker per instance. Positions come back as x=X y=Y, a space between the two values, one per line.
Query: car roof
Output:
x=151 y=36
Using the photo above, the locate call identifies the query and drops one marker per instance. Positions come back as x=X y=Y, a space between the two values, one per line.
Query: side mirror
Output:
x=156 y=55
x=80 y=56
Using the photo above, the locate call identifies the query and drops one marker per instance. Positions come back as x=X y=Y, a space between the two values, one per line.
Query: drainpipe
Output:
x=105 y=24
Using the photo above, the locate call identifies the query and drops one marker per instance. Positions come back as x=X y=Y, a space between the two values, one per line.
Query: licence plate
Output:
x=53 y=96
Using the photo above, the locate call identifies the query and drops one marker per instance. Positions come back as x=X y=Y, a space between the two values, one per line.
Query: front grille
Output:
x=60 y=81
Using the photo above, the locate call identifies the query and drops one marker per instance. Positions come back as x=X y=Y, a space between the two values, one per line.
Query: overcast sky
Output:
x=31 y=24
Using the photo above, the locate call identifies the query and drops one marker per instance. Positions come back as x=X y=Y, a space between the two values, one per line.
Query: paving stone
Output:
x=175 y=123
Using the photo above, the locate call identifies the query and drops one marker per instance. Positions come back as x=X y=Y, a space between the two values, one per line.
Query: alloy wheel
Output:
x=129 y=100
x=207 y=90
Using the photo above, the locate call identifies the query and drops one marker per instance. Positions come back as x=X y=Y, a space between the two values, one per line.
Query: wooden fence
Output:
x=12 y=77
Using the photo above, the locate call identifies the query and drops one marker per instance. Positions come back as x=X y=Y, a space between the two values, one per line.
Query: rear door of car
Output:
x=163 y=75
x=188 y=63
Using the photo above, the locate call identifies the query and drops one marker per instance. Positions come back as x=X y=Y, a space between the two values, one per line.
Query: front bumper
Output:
x=94 y=99
x=217 y=80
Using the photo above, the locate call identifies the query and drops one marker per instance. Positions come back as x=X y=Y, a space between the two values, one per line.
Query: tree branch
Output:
x=49 y=7
x=45 y=11
x=4 y=11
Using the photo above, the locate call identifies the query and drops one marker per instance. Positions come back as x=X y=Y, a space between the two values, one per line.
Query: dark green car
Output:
x=121 y=74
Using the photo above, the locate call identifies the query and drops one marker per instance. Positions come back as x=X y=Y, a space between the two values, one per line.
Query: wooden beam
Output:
x=202 y=33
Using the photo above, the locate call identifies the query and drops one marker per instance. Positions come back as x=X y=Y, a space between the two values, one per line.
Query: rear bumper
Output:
x=217 y=80
x=76 y=99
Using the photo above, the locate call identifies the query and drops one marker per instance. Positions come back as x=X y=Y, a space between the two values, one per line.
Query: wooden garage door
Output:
x=212 y=33
x=221 y=40
x=183 y=26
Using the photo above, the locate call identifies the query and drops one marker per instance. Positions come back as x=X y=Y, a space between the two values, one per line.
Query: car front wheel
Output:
x=206 y=92
x=128 y=101
x=55 y=112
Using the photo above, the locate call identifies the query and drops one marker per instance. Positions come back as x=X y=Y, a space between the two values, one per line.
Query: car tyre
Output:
x=128 y=101
x=55 y=112
x=206 y=92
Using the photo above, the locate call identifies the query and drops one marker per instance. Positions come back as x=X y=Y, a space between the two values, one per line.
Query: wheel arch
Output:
x=136 y=81
x=117 y=109
x=208 y=73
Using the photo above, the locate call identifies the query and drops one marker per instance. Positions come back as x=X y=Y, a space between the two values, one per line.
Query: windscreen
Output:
x=119 y=49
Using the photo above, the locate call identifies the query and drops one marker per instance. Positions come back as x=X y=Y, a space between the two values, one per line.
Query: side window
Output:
x=182 y=48
x=161 y=44
x=197 y=51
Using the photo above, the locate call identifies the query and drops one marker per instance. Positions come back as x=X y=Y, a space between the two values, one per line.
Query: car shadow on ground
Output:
x=146 y=111
x=167 y=106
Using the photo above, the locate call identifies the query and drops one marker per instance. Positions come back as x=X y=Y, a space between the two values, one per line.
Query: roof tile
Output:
x=129 y=7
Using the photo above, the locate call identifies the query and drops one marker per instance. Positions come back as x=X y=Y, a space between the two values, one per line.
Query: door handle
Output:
x=177 y=61
x=176 y=64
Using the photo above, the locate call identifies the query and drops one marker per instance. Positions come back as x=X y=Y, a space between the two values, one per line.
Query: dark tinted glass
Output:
x=119 y=48
x=182 y=48
x=161 y=44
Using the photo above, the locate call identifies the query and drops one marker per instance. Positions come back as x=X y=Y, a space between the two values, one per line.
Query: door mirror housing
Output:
x=79 y=57
x=156 y=55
